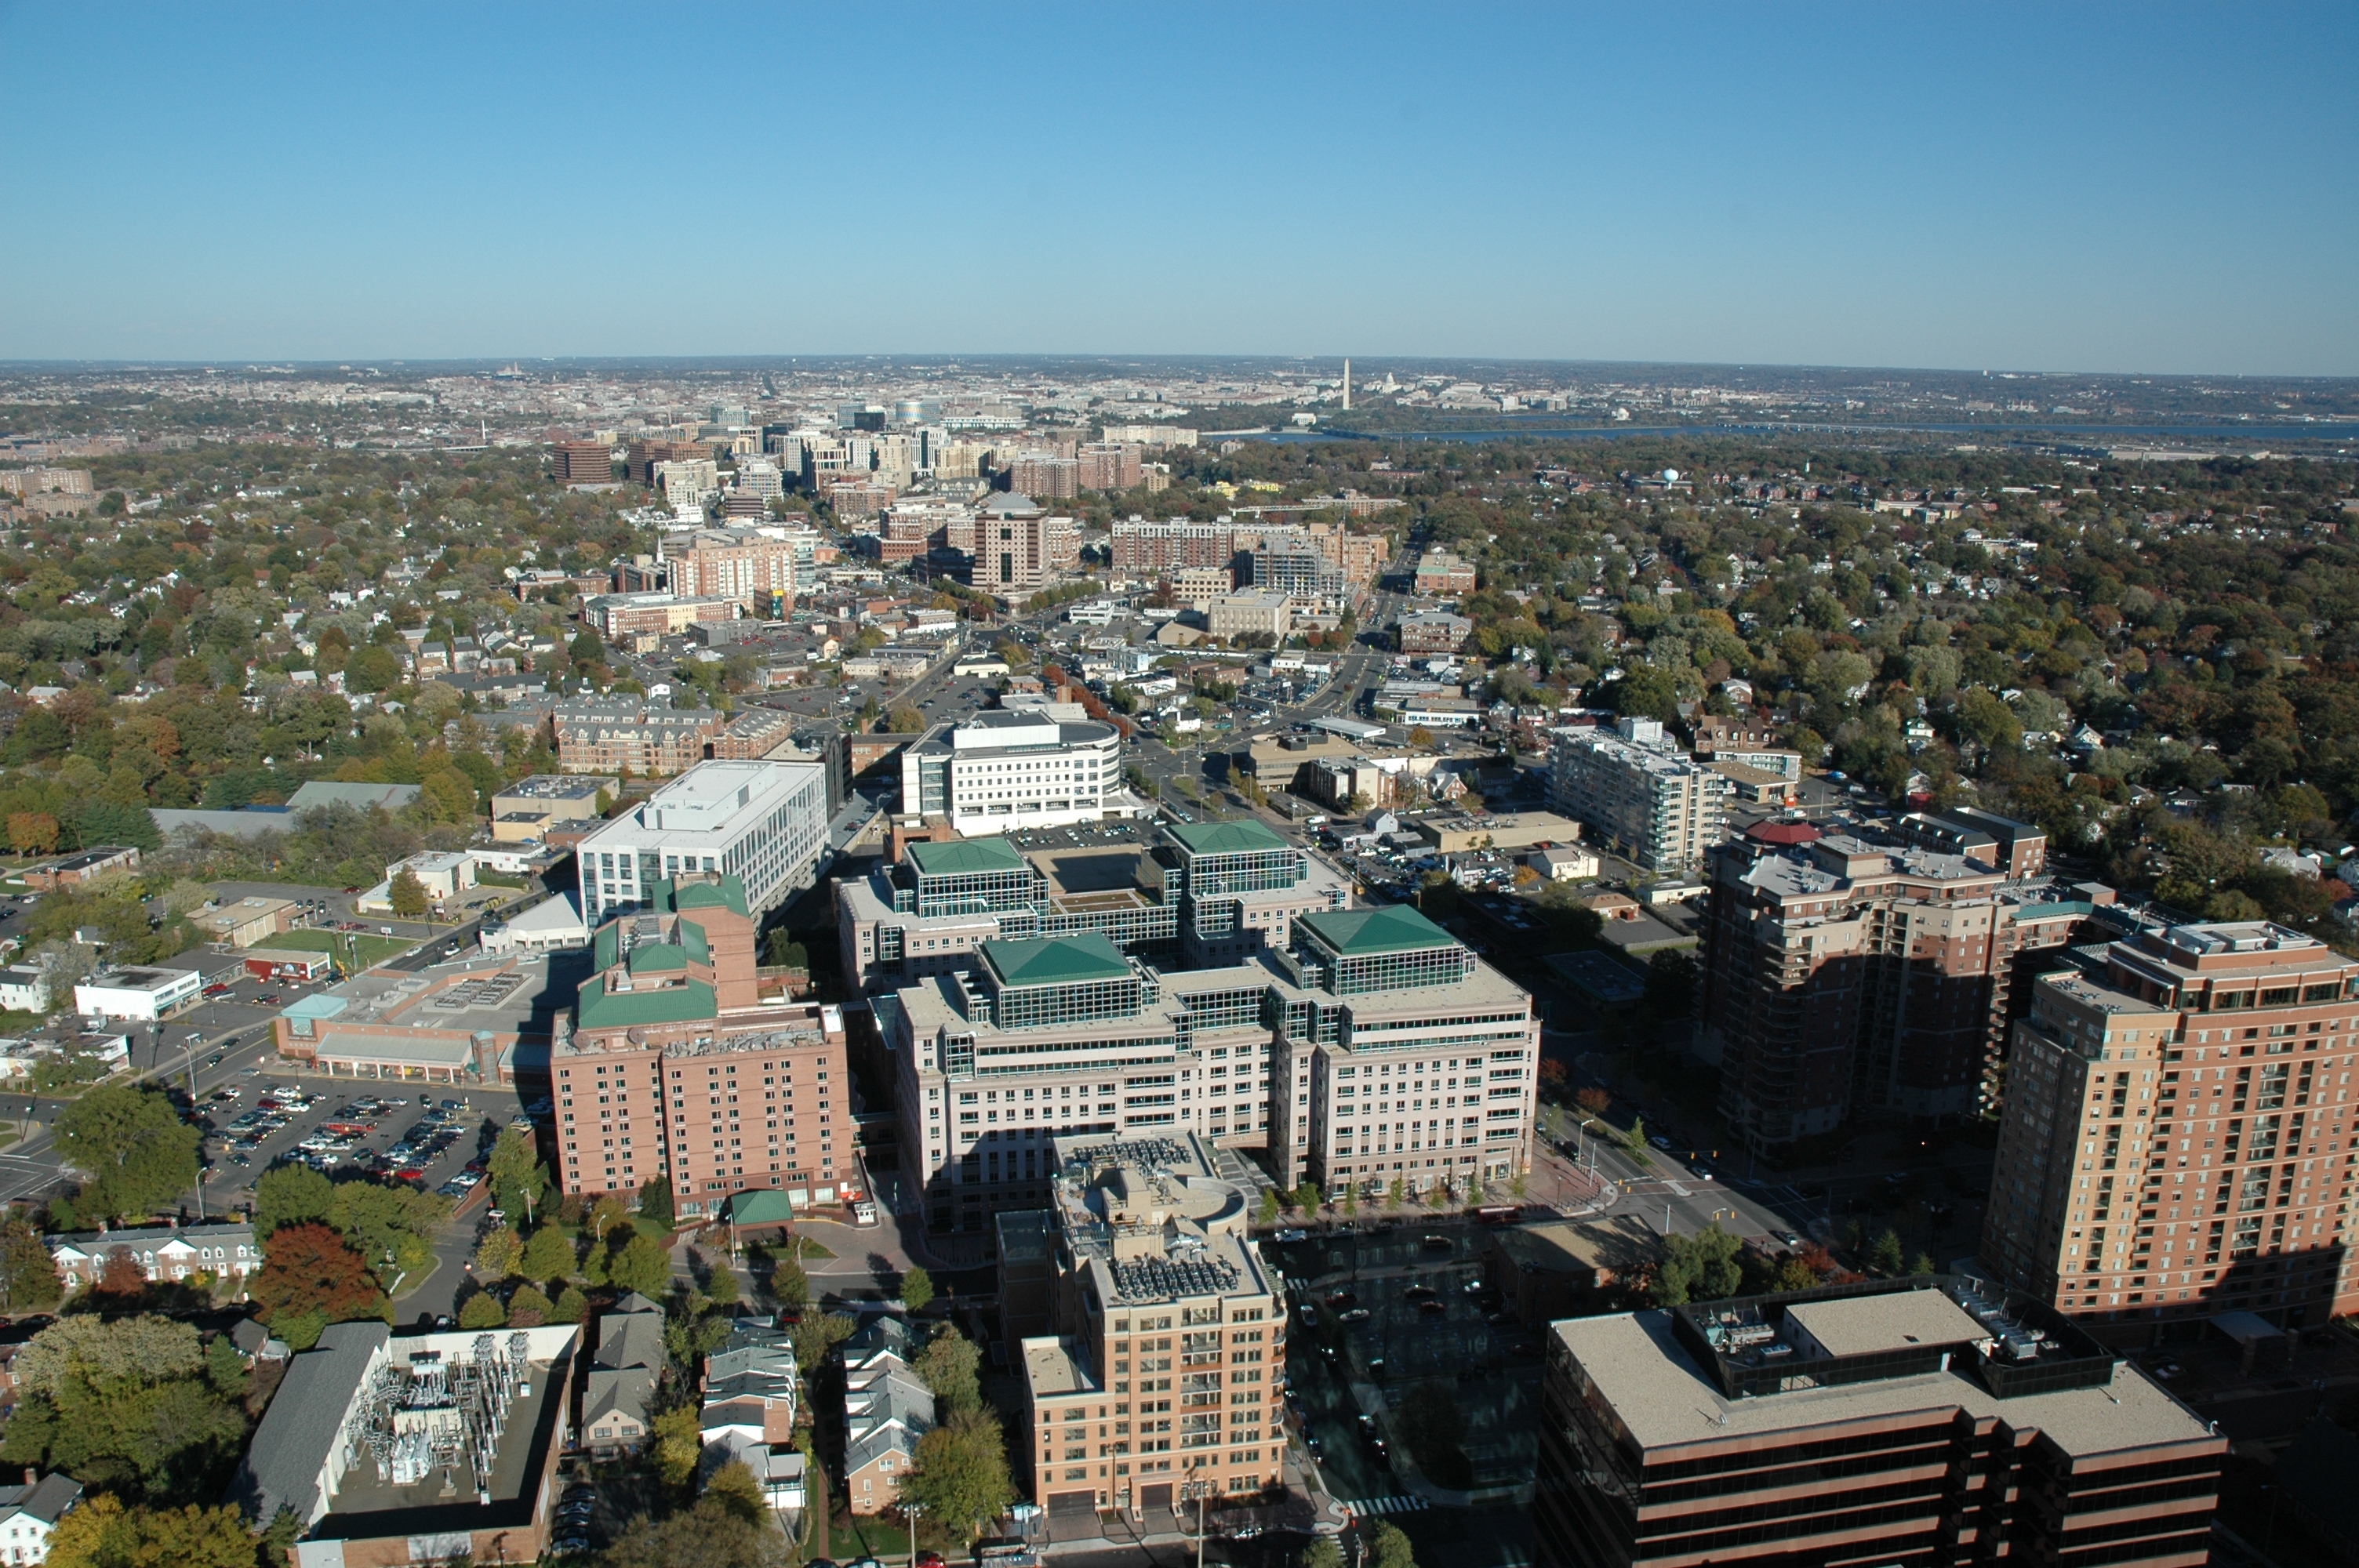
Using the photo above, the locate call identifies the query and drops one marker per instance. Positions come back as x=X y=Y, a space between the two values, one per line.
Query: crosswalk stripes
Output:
x=1377 y=1507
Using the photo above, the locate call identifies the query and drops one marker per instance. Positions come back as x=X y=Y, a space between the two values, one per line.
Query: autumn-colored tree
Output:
x=309 y=1268
x=32 y=832
x=103 y=1533
x=1593 y=1100
x=120 y=1274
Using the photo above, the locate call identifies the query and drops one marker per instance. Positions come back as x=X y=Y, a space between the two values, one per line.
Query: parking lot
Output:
x=433 y=1138
x=1375 y=1312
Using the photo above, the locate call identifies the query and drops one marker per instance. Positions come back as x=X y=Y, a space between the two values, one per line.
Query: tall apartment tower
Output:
x=1940 y=1420
x=679 y=1019
x=2179 y=1134
x=1640 y=794
x=1842 y=977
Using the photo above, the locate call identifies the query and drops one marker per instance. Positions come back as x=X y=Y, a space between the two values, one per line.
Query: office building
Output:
x=1256 y=614
x=1157 y=549
x=642 y=621
x=1155 y=438
x=421 y=1446
x=584 y=462
x=925 y=915
x=526 y=810
x=640 y=458
x=764 y=823
x=686 y=484
x=1017 y=544
x=2175 y=1141
x=144 y=993
x=1165 y=1369
x=678 y=1016
x=1640 y=795
x=1413 y=1060
x=1239 y=888
x=1440 y=572
x=612 y=735
x=1933 y=1420
x=1843 y=979
x=1065 y=1035
x=1311 y=1053
x=1005 y=770
x=1432 y=631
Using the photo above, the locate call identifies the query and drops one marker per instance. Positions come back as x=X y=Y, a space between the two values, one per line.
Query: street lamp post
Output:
x=1198 y=1491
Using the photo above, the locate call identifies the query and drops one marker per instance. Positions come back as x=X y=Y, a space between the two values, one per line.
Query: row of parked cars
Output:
x=271 y=1111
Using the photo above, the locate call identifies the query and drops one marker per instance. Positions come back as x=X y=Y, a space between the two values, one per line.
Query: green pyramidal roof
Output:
x=1242 y=837
x=728 y=892
x=1055 y=960
x=1354 y=933
x=601 y=1009
x=964 y=857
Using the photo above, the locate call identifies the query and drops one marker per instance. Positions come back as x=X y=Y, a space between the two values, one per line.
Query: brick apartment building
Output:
x=2179 y=1134
x=678 y=1018
x=606 y=735
x=1169 y=1350
x=1841 y=978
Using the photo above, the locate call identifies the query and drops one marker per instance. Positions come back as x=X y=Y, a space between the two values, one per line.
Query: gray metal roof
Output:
x=284 y=1465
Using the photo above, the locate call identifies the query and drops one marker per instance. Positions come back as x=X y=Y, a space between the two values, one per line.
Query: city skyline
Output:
x=1718 y=188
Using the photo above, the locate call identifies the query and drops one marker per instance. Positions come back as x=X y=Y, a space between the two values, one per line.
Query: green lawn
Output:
x=374 y=949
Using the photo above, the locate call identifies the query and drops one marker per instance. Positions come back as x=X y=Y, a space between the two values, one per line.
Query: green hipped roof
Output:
x=1242 y=837
x=1055 y=960
x=606 y=945
x=658 y=958
x=1356 y=933
x=964 y=857
x=764 y=1205
x=692 y=941
x=729 y=893
x=599 y=1009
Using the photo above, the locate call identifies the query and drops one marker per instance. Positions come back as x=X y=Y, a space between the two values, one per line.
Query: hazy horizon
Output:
x=2092 y=190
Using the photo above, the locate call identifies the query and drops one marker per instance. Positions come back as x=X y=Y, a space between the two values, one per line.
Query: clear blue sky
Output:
x=1973 y=186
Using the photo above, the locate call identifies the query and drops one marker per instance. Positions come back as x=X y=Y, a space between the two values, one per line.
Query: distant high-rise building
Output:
x=1110 y=465
x=1156 y=548
x=584 y=462
x=1045 y=476
x=860 y=417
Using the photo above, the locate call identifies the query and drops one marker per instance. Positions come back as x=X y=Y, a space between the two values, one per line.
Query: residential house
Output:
x=623 y=1375
x=164 y=1253
x=29 y=1509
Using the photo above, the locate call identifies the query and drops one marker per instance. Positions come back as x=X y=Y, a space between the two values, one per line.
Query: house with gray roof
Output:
x=29 y=1509
x=624 y=1371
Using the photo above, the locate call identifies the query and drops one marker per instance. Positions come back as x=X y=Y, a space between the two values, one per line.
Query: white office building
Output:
x=765 y=822
x=1003 y=771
